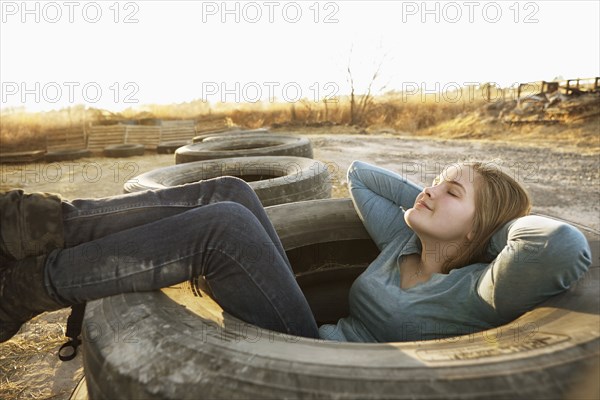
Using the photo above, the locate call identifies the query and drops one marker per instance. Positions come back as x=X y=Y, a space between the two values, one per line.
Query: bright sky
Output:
x=115 y=55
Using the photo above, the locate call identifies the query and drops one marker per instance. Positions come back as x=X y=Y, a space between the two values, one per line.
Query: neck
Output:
x=435 y=254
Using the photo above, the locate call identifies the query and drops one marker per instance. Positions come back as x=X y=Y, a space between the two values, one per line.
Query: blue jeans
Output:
x=144 y=241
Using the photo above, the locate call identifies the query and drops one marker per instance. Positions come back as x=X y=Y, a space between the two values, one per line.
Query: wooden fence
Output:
x=517 y=91
x=178 y=130
x=65 y=139
x=97 y=137
x=568 y=87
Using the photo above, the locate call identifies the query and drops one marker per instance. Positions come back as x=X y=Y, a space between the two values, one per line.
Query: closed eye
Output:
x=456 y=186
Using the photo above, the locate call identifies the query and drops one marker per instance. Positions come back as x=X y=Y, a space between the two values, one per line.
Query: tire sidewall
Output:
x=263 y=145
x=124 y=150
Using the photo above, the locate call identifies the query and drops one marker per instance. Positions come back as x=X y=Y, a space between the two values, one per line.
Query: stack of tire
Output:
x=280 y=168
x=23 y=157
x=124 y=150
x=119 y=150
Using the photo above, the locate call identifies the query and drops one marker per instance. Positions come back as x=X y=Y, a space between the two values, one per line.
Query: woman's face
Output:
x=445 y=210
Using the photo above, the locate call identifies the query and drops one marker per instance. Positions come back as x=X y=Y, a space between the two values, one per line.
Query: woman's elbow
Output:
x=567 y=251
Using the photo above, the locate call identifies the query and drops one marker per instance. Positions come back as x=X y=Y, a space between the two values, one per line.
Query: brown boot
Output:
x=23 y=295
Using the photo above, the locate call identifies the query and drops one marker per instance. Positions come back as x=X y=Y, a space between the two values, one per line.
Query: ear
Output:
x=470 y=236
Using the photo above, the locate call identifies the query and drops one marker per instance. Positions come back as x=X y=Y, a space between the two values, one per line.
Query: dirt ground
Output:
x=563 y=182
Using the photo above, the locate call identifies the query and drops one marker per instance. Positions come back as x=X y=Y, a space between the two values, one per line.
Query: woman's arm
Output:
x=378 y=194
x=537 y=258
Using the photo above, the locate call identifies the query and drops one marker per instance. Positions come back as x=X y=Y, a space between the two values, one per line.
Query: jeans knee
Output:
x=230 y=212
x=234 y=183
x=230 y=188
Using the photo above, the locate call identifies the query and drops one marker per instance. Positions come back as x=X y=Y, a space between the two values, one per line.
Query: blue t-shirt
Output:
x=536 y=258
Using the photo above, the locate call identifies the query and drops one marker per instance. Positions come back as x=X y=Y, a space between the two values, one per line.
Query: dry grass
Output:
x=427 y=116
x=18 y=355
x=21 y=131
x=584 y=135
x=578 y=132
x=24 y=131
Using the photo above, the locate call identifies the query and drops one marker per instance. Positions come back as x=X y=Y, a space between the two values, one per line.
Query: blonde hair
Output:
x=498 y=199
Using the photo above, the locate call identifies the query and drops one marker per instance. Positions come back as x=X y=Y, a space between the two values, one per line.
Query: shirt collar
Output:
x=412 y=245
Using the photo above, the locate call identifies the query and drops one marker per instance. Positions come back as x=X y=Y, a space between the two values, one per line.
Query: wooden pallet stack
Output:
x=96 y=137
x=100 y=136
x=177 y=130
x=147 y=135
x=65 y=139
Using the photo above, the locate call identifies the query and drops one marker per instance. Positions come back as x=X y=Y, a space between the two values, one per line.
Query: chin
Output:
x=409 y=219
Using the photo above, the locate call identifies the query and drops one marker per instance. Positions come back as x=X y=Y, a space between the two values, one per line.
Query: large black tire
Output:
x=268 y=145
x=236 y=136
x=170 y=147
x=66 y=155
x=22 y=156
x=275 y=180
x=178 y=343
x=232 y=132
x=124 y=150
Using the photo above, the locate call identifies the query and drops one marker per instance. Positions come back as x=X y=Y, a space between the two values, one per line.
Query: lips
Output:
x=423 y=204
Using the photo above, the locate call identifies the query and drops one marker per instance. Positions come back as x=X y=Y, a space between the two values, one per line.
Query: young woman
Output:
x=463 y=258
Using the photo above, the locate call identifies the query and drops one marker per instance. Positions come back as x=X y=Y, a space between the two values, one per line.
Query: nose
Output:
x=428 y=191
